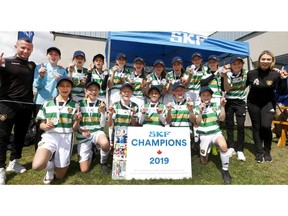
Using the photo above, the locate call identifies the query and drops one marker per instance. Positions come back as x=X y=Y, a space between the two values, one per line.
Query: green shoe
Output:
x=214 y=150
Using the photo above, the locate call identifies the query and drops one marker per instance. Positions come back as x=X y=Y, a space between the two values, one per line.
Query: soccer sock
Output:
x=103 y=156
x=110 y=135
x=50 y=166
x=225 y=160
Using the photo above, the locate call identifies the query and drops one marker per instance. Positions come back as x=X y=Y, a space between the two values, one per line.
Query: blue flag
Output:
x=26 y=34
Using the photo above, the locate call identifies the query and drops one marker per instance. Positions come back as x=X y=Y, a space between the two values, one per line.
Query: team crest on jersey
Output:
x=30 y=66
x=70 y=110
x=3 y=117
x=269 y=82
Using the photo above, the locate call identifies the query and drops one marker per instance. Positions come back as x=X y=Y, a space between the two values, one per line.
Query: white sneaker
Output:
x=49 y=177
x=15 y=167
x=2 y=176
x=231 y=152
x=241 y=156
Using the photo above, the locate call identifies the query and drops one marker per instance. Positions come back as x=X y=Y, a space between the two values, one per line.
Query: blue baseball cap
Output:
x=64 y=78
x=158 y=61
x=139 y=59
x=127 y=85
x=92 y=83
x=205 y=88
x=154 y=87
x=214 y=57
x=177 y=84
x=79 y=53
x=121 y=55
x=236 y=57
x=196 y=54
x=54 y=49
x=177 y=59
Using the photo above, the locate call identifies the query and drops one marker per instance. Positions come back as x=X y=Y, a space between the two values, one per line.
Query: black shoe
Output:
x=267 y=157
x=105 y=169
x=259 y=158
x=226 y=176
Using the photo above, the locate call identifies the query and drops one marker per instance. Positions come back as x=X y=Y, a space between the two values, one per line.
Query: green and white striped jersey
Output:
x=210 y=119
x=62 y=114
x=122 y=115
x=91 y=117
x=238 y=83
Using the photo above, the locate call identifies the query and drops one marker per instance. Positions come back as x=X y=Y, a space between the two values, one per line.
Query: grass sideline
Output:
x=243 y=173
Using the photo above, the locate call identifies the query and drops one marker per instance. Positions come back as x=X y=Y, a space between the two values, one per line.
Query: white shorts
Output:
x=206 y=142
x=60 y=144
x=84 y=149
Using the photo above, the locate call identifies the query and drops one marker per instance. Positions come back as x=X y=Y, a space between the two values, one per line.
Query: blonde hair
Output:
x=268 y=52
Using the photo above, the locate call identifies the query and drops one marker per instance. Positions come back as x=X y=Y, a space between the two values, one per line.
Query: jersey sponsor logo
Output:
x=3 y=117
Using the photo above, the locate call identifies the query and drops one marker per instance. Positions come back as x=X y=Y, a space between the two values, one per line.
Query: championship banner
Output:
x=158 y=153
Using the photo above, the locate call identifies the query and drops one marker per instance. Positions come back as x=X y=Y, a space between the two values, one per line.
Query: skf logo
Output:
x=3 y=117
x=182 y=37
x=269 y=82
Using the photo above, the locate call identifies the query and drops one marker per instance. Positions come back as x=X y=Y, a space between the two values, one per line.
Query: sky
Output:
x=108 y=15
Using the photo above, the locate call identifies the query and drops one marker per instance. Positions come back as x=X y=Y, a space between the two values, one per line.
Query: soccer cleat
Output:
x=241 y=156
x=105 y=169
x=49 y=177
x=267 y=157
x=226 y=176
x=259 y=158
x=15 y=167
x=2 y=176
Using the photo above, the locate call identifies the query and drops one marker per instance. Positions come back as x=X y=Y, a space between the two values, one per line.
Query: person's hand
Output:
x=189 y=105
x=144 y=110
x=225 y=70
x=1 y=58
x=90 y=68
x=102 y=107
x=283 y=73
x=71 y=67
x=48 y=125
x=111 y=110
x=169 y=106
x=42 y=71
x=78 y=115
x=159 y=110
x=223 y=100
x=85 y=133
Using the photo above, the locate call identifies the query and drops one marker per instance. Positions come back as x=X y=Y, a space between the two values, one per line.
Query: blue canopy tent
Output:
x=166 y=45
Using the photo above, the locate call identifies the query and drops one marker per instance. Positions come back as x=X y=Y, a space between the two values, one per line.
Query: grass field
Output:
x=243 y=173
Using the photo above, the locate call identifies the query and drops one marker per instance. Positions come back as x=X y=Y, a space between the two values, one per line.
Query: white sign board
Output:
x=158 y=153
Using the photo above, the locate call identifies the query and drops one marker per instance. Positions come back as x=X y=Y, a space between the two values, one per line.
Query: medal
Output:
x=55 y=121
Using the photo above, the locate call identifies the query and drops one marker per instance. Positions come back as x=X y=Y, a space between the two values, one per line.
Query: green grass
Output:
x=243 y=173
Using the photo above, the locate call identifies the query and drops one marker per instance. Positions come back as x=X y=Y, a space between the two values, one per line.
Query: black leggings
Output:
x=261 y=117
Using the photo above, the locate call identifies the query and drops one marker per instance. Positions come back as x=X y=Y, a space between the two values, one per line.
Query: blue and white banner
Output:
x=26 y=34
x=158 y=153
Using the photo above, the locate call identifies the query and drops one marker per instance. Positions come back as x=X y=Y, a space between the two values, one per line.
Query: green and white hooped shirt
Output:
x=78 y=90
x=117 y=78
x=151 y=116
x=122 y=113
x=210 y=119
x=91 y=117
x=61 y=114
x=214 y=85
x=99 y=77
x=196 y=77
x=238 y=83
x=180 y=114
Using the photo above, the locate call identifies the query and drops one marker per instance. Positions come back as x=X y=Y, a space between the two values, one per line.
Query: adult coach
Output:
x=16 y=103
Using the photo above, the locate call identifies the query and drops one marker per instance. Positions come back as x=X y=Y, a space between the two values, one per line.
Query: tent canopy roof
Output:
x=166 y=45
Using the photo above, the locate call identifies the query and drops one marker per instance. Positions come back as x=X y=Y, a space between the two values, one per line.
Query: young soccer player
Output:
x=59 y=118
x=153 y=113
x=207 y=117
x=91 y=131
